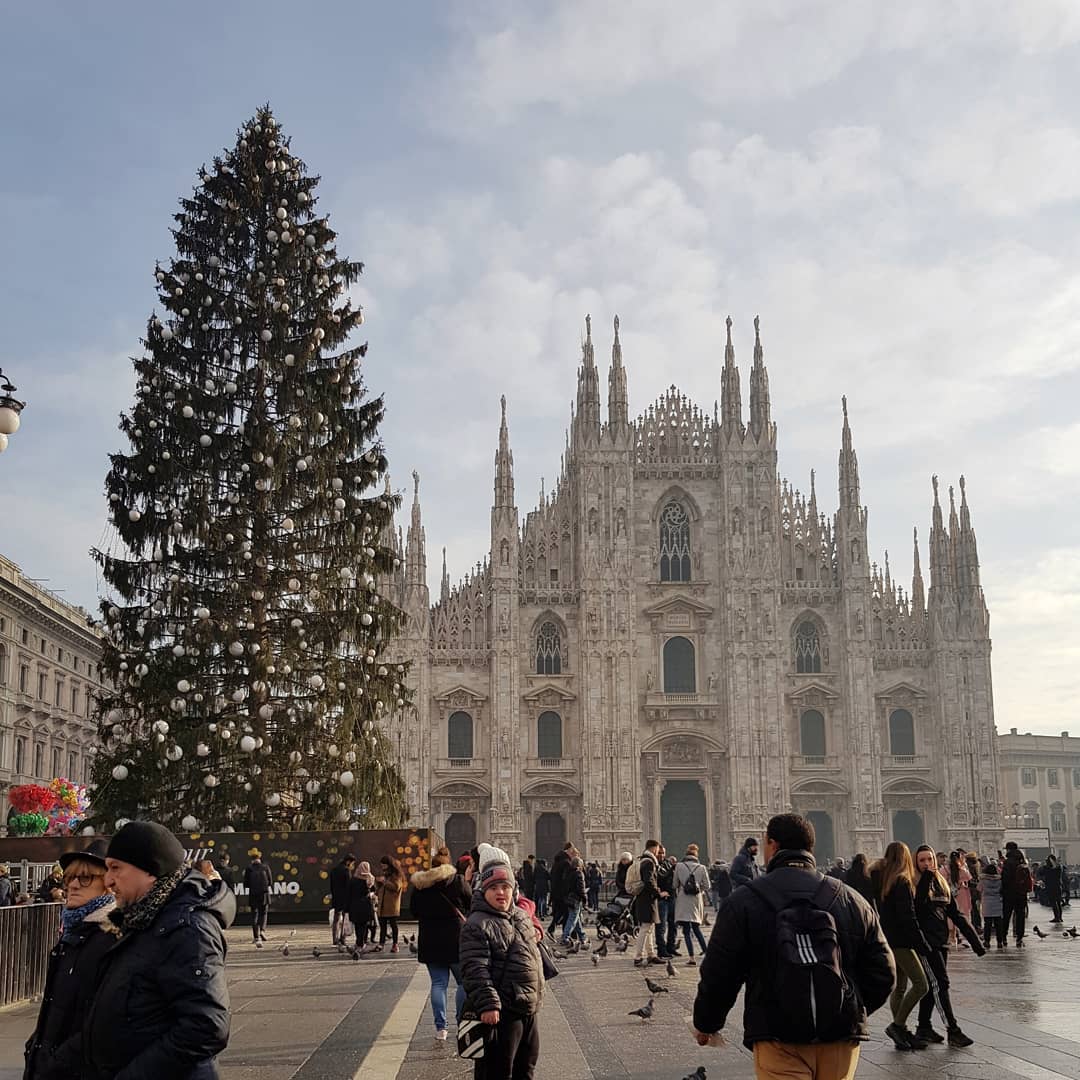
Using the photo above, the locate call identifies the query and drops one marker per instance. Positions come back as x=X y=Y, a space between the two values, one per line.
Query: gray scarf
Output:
x=144 y=911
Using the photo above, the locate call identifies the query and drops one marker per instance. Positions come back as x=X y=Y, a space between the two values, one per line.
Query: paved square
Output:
x=333 y=1019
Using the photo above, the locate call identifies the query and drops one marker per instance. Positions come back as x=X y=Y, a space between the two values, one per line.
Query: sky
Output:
x=892 y=188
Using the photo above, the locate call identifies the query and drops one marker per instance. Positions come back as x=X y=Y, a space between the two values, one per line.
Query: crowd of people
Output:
x=817 y=952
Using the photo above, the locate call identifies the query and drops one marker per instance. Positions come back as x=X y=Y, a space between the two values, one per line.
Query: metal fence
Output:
x=27 y=935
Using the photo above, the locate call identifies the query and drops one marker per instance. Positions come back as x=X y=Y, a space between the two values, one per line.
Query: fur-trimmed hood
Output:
x=101 y=920
x=437 y=875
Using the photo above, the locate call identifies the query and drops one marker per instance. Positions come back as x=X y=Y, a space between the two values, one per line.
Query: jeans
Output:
x=542 y=906
x=391 y=922
x=1015 y=912
x=665 y=944
x=260 y=907
x=594 y=897
x=440 y=980
x=695 y=928
x=572 y=927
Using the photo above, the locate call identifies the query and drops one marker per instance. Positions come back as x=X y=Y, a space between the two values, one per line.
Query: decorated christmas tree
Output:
x=245 y=628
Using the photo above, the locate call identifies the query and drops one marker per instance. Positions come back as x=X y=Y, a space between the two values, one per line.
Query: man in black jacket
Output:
x=161 y=1008
x=742 y=949
x=743 y=867
x=339 y=897
x=560 y=868
x=258 y=882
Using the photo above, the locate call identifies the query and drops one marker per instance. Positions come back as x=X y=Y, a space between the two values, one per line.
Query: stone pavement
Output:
x=333 y=1019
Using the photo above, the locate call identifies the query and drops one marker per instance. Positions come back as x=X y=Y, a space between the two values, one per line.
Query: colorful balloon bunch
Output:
x=69 y=808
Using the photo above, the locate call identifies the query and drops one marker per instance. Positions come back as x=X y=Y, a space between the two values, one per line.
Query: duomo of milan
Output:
x=677 y=642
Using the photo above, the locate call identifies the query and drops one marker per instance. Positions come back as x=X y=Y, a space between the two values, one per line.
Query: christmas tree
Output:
x=245 y=632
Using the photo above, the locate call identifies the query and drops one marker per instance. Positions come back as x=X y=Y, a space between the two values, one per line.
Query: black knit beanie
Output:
x=149 y=846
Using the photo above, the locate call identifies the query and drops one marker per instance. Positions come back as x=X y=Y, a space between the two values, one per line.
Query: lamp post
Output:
x=10 y=408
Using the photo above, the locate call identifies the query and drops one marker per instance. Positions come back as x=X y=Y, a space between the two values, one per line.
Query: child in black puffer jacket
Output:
x=503 y=976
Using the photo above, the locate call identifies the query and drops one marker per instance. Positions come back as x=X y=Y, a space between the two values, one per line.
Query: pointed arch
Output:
x=549 y=644
x=809 y=644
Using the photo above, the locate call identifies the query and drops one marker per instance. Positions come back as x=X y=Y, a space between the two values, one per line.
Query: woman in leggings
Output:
x=935 y=907
x=893 y=877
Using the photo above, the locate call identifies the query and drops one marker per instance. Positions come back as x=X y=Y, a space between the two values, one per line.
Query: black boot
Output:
x=900 y=1036
x=929 y=1034
x=958 y=1038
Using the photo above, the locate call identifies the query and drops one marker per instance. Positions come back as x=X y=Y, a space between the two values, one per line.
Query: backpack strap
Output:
x=826 y=894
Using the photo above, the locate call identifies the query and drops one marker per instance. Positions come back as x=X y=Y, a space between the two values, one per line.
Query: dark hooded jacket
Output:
x=741 y=951
x=500 y=960
x=54 y=1049
x=541 y=880
x=560 y=869
x=339 y=886
x=440 y=904
x=935 y=908
x=161 y=1008
x=575 y=884
x=743 y=868
x=897 y=913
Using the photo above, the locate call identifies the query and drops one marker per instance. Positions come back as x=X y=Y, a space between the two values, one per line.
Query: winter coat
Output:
x=528 y=878
x=665 y=873
x=575 y=884
x=860 y=882
x=690 y=907
x=620 y=879
x=741 y=950
x=161 y=1007
x=1050 y=876
x=258 y=882
x=646 y=906
x=990 y=891
x=389 y=892
x=935 y=910
x=54 y=1049
x=339 y=887
x=440 y=904
x=961 y=892
x=7 y=891
x=743 y=868
x=720 y=880
x=360 y=904
x=541 y=882
x=500 y=960
x=1010 y=886
x=593 y=878
x=43 y=894
x=560 y=867
x=897 y=913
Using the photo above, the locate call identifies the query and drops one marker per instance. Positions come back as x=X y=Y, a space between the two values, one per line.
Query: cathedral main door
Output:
x=683 y=819
x=550 y=836
x=907 y=826
x=460 y=834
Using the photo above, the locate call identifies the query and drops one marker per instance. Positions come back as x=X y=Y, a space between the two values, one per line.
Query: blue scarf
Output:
x=71 y=917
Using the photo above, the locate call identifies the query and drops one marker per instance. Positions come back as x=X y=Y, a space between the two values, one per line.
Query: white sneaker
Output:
x=440 y=1035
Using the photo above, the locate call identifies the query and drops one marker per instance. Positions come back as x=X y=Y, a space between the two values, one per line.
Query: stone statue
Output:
x=711 y=682
x=649 y=679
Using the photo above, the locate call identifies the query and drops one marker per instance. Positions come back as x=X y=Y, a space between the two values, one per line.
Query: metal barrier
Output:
x=27 y=935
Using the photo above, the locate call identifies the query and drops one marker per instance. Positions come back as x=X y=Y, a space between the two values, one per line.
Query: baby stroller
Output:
x=616 y=918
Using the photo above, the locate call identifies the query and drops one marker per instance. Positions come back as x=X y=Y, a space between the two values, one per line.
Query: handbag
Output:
x=473 y=1035
x=547 y=961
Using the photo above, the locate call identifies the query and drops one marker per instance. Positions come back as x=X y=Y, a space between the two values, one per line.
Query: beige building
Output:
x=48 y=678
x=1040 y=787
x=678 y=642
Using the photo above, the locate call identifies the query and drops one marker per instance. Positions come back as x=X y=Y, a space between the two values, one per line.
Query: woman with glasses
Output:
x=53 y=1051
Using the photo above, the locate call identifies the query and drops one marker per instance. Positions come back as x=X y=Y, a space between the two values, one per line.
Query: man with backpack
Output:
x=812 y=956
x=641 y=885
x=1016 y=884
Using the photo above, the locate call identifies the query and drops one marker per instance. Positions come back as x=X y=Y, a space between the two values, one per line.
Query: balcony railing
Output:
x=563 y=765
x=460 y=762
x=551 y=763
x=906 y=761
x=813 y=759
x=800 y=762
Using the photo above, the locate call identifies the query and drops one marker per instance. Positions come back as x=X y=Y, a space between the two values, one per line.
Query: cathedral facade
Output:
x=677 y=643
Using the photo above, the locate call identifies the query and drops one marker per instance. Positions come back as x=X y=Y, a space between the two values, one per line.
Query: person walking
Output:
x=527 y=878
x=161 y=1004
x=594 y=880
x=785 y=1026
x=1016 y=885
x=1049 y=874
x=691 y=884
x=665 y=927
x=440 y=904
x=936 y=908
x=339 y=898
x=54 y=1049
x=959 y=879
x=541 y=888
x=744 y=869
x=894 y=889
x=972 y=862
x=390 y=886
x=7 y=887
x=575 y=900
x=258 y=882
x=990 y=902
x=360 y=905
x=625 y=860
x=858 y=878
x=560 y=866
x=503 y=976
x=646 y=903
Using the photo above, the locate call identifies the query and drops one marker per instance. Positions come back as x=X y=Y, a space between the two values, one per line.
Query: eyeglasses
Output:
x=85 y=880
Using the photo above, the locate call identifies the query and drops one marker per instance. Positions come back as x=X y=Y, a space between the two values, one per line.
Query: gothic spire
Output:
x=940 y=556
x=617 y=398
x=504 y=464
x=444 y=589
x=968 y=554
x=849 y=467
x=760 y=415
x=918 y=595
x=588 y=389
x=415 y=542
x=730 y=392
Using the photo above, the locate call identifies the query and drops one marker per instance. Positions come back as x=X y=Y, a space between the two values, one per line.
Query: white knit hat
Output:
x=490 y=854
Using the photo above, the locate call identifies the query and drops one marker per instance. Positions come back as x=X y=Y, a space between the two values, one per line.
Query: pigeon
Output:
x=697 y=1074
x=602 y=951
x=412 y=947
x=559 y=955
x=1038 y=933
x=258 y=944
x=316 y=952
x=285 y=949
x=340 y=948
x=355 y=954
x=575 y=947
x=655 y=988
x=645 y=1012
x=595 y=959
x=622 y=946
x=1072 y=932
x=672 y=973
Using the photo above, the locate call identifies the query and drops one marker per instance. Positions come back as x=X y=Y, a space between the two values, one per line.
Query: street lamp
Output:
x=10 y=408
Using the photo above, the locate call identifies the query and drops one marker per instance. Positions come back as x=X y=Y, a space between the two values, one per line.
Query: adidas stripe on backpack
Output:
x=813 y=999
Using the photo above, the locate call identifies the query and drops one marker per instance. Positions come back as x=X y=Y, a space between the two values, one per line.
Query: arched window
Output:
x=460 y=741
x=807 y=648
x=1031 y=815
x=679 y=674
x=901 y=733
x=812 y=734
x=674 y=543
x=549 y=736
x=548 y=650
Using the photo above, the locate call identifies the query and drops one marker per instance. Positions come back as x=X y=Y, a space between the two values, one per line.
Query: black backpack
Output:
x=813 y=999
x=690 y=886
